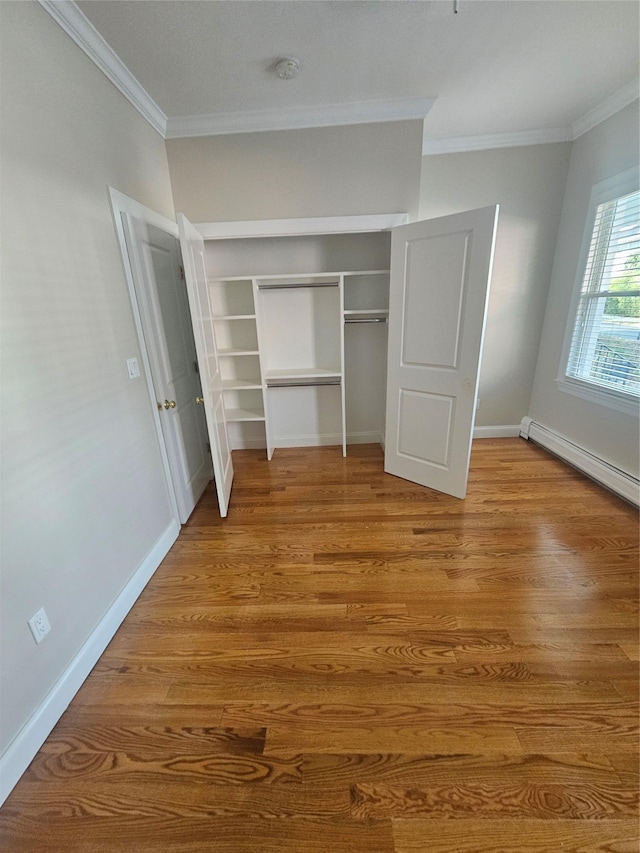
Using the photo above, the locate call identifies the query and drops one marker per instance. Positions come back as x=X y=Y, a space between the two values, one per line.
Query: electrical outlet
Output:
x=477 y=404
x=39 y=625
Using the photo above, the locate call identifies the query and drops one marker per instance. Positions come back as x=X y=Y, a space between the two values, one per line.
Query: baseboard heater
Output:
x=597 y=469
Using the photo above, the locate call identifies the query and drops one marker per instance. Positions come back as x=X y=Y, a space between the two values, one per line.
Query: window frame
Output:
x=610 y=189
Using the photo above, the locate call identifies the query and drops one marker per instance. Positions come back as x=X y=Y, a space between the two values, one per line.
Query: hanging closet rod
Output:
x=365 y=319
x=297 y=284
x=306 y=384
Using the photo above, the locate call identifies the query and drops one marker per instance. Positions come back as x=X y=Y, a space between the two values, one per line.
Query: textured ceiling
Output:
x=495 y=67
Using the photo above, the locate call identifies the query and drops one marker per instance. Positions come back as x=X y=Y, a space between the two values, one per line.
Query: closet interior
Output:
x=301 y=333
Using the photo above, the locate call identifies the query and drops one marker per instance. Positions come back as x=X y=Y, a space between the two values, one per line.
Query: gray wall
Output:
x=83 y=492
x=328 y=171
x=608 y=149
x=528 y=183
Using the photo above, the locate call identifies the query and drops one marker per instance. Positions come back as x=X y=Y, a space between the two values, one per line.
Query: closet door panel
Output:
x=202 y=317
x=440 y=274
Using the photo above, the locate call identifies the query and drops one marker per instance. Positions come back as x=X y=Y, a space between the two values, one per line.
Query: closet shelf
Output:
x=235 y=317
x=236 y=415
x=367 y=312
x=241 y=384
x=235 y=352
x=295 y=374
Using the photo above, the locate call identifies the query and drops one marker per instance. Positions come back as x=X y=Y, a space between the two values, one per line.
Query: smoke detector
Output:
x=287 y=68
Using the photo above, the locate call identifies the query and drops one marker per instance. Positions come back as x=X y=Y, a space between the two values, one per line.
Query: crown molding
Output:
x=609 y=107
x=459 y=144
x=292 y=118
x=78 y=27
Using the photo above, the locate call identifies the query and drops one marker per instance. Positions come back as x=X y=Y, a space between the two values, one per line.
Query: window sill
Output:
x=621 y=402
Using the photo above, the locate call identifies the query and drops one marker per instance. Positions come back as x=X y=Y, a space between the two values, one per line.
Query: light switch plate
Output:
x=133 y=368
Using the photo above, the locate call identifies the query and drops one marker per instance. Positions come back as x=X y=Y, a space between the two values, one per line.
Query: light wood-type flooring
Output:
x=351 y=663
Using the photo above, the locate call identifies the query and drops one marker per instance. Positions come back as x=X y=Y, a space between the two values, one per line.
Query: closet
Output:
x=301 y=331
x=302 y=325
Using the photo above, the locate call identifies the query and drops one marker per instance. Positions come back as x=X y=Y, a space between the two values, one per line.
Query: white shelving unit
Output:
x=301 y=327
x=300 y=341
x=234 y=318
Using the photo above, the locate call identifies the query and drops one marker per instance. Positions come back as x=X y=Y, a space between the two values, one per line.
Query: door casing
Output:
x=120 y=204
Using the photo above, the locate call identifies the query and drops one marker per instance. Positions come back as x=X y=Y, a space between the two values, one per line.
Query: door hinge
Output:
x=208 y=448
x=196 y=367
x=181 y=270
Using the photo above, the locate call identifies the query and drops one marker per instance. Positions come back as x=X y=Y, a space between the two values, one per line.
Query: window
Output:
x=602 y=354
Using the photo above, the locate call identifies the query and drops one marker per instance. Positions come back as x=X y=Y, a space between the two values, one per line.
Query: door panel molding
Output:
x=440 y=275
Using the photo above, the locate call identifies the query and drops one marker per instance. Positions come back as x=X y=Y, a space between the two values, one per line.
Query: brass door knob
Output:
x=169 y=404
x=199 y=399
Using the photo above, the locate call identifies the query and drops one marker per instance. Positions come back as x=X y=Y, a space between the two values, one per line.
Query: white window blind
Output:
x=605 y=344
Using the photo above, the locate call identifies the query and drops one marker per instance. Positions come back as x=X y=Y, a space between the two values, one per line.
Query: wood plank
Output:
x=232 y=834
x=525 y=800
x=408 y=740
x=428 y=769
x=501 y=835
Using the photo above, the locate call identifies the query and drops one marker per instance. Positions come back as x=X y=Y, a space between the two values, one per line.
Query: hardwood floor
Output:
x=350 y=663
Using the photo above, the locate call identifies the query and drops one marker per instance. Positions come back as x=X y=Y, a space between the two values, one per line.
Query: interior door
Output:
x=210 y=377
x=156 y=266
x=440 y=274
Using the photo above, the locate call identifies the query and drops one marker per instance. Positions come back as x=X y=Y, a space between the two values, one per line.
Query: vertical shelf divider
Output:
x=343 y=399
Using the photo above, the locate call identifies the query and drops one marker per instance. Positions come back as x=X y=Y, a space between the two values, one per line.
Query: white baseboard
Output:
x=240 y=443
x=617 y=481
x=20 y=752
x=504 y=431
x=364 y=438
x=308 y=440
x=247 y=443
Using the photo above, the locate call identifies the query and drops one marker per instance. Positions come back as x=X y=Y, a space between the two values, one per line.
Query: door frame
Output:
x=120 y=204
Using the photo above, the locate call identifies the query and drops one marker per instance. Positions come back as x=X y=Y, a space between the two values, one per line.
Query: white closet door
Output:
x=440 y=274
x=164 y=310
x=202 y=318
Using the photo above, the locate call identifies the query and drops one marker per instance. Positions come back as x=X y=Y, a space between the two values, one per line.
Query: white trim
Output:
x=124 y=204
x=609 y=107
x=20 y=752
x=370 y=437
x=120 y=204
x=247 y=443
x=614 y=187
x=609 y=397
x=78 y=27
x=352 y=438
x=292 y=118
x=504 y=431
x=460 y=144
x=593 y=466
x=308 y=440
x=300 y=227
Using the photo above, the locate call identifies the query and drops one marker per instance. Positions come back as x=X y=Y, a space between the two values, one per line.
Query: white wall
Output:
x=608 y=149
x=84 y=498
x=327 y=171
x=528 y=184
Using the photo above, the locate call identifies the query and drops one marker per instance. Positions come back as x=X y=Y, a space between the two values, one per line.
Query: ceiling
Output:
x=497 y=67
